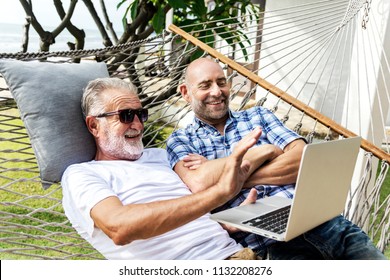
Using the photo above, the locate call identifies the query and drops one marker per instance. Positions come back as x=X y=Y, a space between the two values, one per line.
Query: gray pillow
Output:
x=48 y=96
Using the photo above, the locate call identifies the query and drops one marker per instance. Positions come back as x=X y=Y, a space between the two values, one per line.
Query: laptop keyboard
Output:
x=275 y=221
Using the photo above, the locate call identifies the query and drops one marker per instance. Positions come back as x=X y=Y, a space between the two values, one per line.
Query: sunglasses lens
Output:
x=144 y=115
x=127 y=116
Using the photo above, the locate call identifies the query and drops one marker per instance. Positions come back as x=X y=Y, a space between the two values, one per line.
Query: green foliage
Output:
x=222 y=20
x=158 y=20
x=156 y=134
x=193 y=14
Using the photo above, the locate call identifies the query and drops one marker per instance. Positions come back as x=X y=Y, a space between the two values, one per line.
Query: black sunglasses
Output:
x=127 y=115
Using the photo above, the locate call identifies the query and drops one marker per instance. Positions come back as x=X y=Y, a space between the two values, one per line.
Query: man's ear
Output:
x=92 y=125
x=184 y=92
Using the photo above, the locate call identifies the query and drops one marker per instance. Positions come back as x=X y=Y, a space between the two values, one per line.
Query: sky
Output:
x=11 y=11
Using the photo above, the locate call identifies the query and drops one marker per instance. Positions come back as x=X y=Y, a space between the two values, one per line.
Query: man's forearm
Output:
x=277 y=172
x=282 y=170
x=210 y=171
x=203 y=177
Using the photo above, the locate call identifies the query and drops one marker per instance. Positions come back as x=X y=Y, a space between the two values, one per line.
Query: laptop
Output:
x=323 y=182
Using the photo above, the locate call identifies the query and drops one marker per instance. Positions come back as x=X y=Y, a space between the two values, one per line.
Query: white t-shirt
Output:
x=148 y=179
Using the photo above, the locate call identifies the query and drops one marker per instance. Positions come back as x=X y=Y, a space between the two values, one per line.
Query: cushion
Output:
x=48 y=96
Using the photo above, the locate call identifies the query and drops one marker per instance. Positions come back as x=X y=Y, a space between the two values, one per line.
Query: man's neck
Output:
x=218 y=124
x=220 y=127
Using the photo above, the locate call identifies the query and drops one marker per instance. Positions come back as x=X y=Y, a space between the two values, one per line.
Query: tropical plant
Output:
x=143 y=17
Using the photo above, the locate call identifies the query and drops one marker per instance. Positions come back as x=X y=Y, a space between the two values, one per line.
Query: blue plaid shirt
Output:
x=203 y=139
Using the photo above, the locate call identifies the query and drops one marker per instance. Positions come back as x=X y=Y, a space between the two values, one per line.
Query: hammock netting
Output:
x=320 y=67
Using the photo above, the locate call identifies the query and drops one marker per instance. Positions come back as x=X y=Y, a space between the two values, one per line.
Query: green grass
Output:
x=384 y=193
x=32 y=221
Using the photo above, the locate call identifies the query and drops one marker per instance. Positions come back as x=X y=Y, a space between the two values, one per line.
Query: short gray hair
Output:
x=91 y=101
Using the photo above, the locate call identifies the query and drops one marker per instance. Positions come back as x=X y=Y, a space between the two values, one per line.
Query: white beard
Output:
x=120 y=148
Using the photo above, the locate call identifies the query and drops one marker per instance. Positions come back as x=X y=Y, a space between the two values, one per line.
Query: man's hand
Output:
x=236 y=170
x=193 y=161
x=251 y=198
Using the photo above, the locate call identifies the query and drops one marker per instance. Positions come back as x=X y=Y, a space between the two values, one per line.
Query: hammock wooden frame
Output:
x=368 y=146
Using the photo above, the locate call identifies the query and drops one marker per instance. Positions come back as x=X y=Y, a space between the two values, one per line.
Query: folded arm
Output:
x=282 y=170
x=269 y=165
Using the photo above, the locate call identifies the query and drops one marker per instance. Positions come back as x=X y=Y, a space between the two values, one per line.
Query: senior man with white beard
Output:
x=129 y=204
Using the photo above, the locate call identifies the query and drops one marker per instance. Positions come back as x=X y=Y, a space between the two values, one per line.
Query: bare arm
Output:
x=281 y=170
x=126 y=223
x=206 y=173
